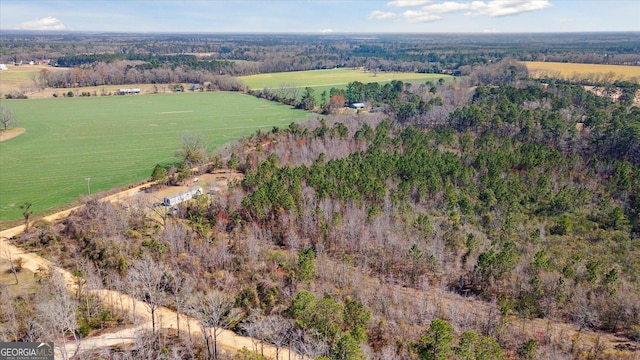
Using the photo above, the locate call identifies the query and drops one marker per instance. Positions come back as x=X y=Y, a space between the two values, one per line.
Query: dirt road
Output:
x=227 y=340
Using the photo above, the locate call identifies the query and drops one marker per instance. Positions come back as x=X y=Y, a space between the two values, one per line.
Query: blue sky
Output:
x=309 y=16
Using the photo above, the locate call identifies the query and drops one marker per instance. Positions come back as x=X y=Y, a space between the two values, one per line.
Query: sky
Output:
x=321 y=16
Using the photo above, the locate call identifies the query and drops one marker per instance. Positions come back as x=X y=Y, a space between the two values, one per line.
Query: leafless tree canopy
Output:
x=7 y=119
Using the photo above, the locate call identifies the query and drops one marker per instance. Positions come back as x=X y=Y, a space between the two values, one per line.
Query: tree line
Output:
x=245 y=54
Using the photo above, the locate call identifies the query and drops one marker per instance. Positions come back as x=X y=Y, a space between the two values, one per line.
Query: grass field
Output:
x=19 y=77
x=331 y=78
x=577 y=72
x=114 y=140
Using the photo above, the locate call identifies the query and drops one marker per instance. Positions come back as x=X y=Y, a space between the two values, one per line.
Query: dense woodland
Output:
x=465 y=220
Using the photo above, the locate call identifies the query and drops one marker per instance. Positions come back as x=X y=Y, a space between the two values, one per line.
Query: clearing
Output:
x=332 y=77
x=581 y=72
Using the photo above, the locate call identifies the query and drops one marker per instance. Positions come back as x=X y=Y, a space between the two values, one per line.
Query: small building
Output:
x=3 y=67
x=194 y=87
x=357 y=106
x=182 y=197
x=128 y=91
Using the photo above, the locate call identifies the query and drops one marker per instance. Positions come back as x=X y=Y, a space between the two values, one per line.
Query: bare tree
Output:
x=148 y=280
x=26 y=213
x=211 y=310
x=153 y=210
x=145 y=345
x=181 y=287
x=279 y=331
x=14 y=265
x=194 y=149
x=6 y=117
x=310 y=343
x=57 y=314
x=11 y=315
x=273 y=329
x=253 y=328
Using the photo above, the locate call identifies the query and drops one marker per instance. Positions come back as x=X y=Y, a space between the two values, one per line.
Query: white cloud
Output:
x=381 y=15
x=498 y=8
x=446 y=7
x=326 y=31
x=47 y=23
x=419 y=16
x=408 y=3
x=426 y=9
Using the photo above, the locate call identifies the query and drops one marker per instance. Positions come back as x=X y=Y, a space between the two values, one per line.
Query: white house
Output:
x=129 y=91
x=183 y=196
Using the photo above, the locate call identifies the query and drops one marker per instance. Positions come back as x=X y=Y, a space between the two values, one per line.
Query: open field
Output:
x=570 y=71
x=17 y=78
x=331 y=78
x=114 y=141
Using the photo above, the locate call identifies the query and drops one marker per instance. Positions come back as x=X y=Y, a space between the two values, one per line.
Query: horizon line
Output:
x=319 y=33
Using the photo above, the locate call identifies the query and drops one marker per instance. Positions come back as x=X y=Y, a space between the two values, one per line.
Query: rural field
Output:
x=326 y=79
x=114 y=141
x=570 y=71
x=19 y=78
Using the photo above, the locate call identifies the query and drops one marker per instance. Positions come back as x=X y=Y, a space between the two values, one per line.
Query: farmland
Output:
x=581 y=72
x=114 y=141
x=19 y=78
x=331 y=78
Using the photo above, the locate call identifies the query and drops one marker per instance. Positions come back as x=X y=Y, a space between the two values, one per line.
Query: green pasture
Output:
x=338 y=78
x=114 y=141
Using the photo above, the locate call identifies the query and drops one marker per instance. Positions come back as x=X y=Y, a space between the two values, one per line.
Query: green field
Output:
x=114 y=141
x=331 y=78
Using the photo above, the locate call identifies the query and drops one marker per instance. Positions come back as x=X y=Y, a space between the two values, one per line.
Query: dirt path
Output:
x=166 y=318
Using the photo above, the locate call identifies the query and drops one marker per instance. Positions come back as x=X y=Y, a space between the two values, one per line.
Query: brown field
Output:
x=11 y=133
x=578 y=72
